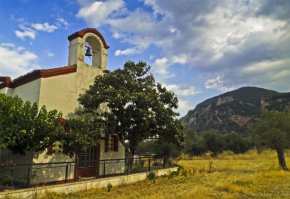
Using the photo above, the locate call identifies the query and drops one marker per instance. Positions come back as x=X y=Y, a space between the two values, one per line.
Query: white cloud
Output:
x=31 y=30
x=182 y=90
x=180 y=59
x=45 y=27
x=161 y=66
x=62 y=22
x=216 y=37
x=96 y=12
x=183 y=107
x=128 y=51
x=49 y=53
x=15 y=61
x=266 y=65
x=7 y=45
x=25 y=32
x=217 y=84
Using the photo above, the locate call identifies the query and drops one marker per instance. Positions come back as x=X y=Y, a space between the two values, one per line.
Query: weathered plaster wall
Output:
x=5 y=90
x=28 y=92
x=62 y=92
x=53 y=172
x=112 y=167
x=59 y=92
x=38 y=173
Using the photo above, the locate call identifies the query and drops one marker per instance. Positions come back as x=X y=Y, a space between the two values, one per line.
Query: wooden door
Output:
x=88 y=162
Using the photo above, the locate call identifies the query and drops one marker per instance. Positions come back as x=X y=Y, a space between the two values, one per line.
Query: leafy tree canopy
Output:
x=273 y=128
x=82 y=132
x=236 y=143
x=24 y=127
x=214 y=142
x=138 y=107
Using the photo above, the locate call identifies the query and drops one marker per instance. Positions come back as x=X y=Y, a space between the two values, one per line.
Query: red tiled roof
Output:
x=36 y=74
x=5 y=81
x=88 y=30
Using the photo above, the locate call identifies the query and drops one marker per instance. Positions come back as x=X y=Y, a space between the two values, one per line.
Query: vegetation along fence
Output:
x=26 y=175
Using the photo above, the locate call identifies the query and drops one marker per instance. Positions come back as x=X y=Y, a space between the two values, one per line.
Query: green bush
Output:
x=152 y=176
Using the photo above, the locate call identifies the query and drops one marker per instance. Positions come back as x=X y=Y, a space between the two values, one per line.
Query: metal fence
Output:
x=133 y=165
x=25 y=175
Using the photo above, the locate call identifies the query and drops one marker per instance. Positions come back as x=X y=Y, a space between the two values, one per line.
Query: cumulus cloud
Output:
x=183 y=107
x=15 y=60
x=228 y=38
x=217 y=84
x=127 y=51
x=25 y=32
x=30 y=30
x=96 y=12
x=182 y=90
x=45 y=27
x=62 y=22
x=161 y=65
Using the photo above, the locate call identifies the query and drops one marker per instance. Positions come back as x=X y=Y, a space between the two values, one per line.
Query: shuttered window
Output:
x=115 y=143
x=106 y=142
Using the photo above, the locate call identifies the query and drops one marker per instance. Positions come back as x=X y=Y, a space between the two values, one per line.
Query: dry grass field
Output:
x=249 y=175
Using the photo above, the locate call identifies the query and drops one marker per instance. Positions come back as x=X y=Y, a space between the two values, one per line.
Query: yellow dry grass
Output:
x=249 y=175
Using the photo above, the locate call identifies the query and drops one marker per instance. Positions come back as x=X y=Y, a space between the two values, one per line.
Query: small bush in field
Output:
x=152 y=176
x=210 y=166
x=173 y=174
x=109 y=186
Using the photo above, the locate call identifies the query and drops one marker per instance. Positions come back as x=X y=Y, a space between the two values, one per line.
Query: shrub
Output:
x=152 y=176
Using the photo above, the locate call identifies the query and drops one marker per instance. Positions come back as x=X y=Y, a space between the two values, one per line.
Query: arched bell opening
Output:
x=92 y=52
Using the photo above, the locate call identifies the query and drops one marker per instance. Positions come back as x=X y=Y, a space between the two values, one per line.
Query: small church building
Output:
x=59 y=88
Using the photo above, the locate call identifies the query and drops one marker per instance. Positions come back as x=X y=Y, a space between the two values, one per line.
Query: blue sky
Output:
x=196 y=48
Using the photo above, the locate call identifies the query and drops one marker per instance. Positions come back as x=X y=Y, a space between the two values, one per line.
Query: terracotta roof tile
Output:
x=81 y=34
x=5 y=81
x=36 y=74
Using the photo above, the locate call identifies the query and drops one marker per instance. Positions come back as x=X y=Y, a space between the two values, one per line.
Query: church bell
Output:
x=88 y=52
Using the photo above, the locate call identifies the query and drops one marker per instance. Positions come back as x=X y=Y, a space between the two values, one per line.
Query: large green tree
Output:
x=138 y=107
x=24 y=127
x=236 y=142
x=83 y=131
x=214 y=142
x=273 y=128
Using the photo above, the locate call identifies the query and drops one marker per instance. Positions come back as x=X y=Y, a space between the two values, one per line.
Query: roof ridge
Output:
x=82 y=32
x=36 y=74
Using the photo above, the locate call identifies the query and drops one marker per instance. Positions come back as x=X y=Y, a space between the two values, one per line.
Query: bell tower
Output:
x=88 y=41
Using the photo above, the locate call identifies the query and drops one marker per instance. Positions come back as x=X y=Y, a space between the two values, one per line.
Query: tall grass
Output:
x=249 y=175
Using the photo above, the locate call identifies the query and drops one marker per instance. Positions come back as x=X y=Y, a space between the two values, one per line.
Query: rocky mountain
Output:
x=230 y=111
x=279 y=102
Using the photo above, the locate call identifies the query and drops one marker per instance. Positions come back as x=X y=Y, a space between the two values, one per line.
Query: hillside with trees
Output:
x=231 y=111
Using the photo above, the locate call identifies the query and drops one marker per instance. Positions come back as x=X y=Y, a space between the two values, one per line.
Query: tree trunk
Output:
x=130 y=161
x=165 y=160
x=281 y=158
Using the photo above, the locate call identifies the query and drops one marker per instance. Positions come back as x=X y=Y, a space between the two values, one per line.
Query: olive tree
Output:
x=273 y=128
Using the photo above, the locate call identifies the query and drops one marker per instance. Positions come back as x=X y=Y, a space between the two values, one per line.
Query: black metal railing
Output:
x=131 y=165
x=25 y=175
